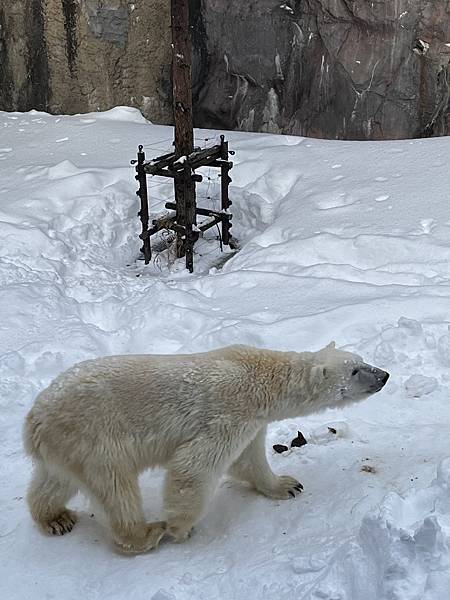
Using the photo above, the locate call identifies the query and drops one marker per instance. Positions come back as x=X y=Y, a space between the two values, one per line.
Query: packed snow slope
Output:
x=338 y=240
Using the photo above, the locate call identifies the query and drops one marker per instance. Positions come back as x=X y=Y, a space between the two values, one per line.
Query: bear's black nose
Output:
x=385 y=378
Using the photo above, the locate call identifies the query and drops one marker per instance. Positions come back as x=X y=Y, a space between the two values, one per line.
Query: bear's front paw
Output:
x=284 y=487
x=142 y=543
x=61 y=524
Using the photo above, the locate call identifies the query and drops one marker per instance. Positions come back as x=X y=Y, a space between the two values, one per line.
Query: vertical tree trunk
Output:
x=184 y=132
x=182 y=78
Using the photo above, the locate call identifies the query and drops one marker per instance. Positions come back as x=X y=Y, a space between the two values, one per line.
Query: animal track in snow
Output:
x=417 y=386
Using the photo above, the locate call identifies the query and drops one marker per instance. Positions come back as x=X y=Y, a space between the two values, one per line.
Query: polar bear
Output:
x=103 y=421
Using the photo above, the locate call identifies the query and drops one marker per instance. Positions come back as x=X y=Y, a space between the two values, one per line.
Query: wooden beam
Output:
x=225 y=181
x=205 y=212
x=143 y=212
x=208 y=224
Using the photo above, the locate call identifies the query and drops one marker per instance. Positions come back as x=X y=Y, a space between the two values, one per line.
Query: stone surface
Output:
x=327 y=68
x=84 y=55
x=347 y=69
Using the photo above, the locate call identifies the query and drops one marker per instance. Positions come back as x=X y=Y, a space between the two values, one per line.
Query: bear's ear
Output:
x=330 y=346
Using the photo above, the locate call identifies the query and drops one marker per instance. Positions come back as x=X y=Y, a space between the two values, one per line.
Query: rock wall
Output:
x=347 y=69
x=84 y=55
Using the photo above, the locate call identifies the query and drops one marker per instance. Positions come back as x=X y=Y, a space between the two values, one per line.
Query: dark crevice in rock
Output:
x=35 y=93
x=69 y=8
x=6 y=81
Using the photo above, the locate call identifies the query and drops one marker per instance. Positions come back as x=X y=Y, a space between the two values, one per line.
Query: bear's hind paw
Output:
x=155 y=532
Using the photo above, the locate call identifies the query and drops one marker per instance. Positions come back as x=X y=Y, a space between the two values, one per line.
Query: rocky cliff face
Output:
x=81 y=55
x=348 y=69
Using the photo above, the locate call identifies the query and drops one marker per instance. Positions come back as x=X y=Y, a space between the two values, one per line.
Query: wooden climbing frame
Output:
x=184 y=220
x=181 y=164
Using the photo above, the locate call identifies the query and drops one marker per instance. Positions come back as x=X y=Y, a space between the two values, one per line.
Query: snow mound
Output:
x=120 y=113
x=406 y=543
x=402 y=550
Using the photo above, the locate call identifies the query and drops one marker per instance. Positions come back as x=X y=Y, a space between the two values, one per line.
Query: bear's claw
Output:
x=61 y=524
x=285 y=487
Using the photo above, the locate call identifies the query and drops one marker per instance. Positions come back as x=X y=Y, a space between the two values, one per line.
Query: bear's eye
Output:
x=355 y=372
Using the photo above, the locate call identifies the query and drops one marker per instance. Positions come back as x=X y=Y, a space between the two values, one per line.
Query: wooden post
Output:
x=184 y=131
x=143 y=212
x=225 y=182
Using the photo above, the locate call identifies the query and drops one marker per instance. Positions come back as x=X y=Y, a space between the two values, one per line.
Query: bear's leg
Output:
x=118 y=492
x=252 y=466
x=191 y=478
x=47 y=496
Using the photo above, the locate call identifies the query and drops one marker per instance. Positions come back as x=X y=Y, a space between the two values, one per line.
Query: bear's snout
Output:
x=372 y=378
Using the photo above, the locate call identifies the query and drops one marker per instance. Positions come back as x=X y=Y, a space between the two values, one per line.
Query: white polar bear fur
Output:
x=102 y=422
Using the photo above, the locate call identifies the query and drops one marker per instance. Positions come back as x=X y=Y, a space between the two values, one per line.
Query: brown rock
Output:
x=299 y=441
x=76 y=56
x=279 y=448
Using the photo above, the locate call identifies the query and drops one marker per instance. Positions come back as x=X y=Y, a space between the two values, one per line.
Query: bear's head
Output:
x=350 y=378
x=333 y=377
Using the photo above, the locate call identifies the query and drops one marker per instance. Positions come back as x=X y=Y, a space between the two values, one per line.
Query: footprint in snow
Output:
x=417 y=386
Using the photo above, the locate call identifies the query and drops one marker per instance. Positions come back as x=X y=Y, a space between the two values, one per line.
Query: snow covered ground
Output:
x=339 y=240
